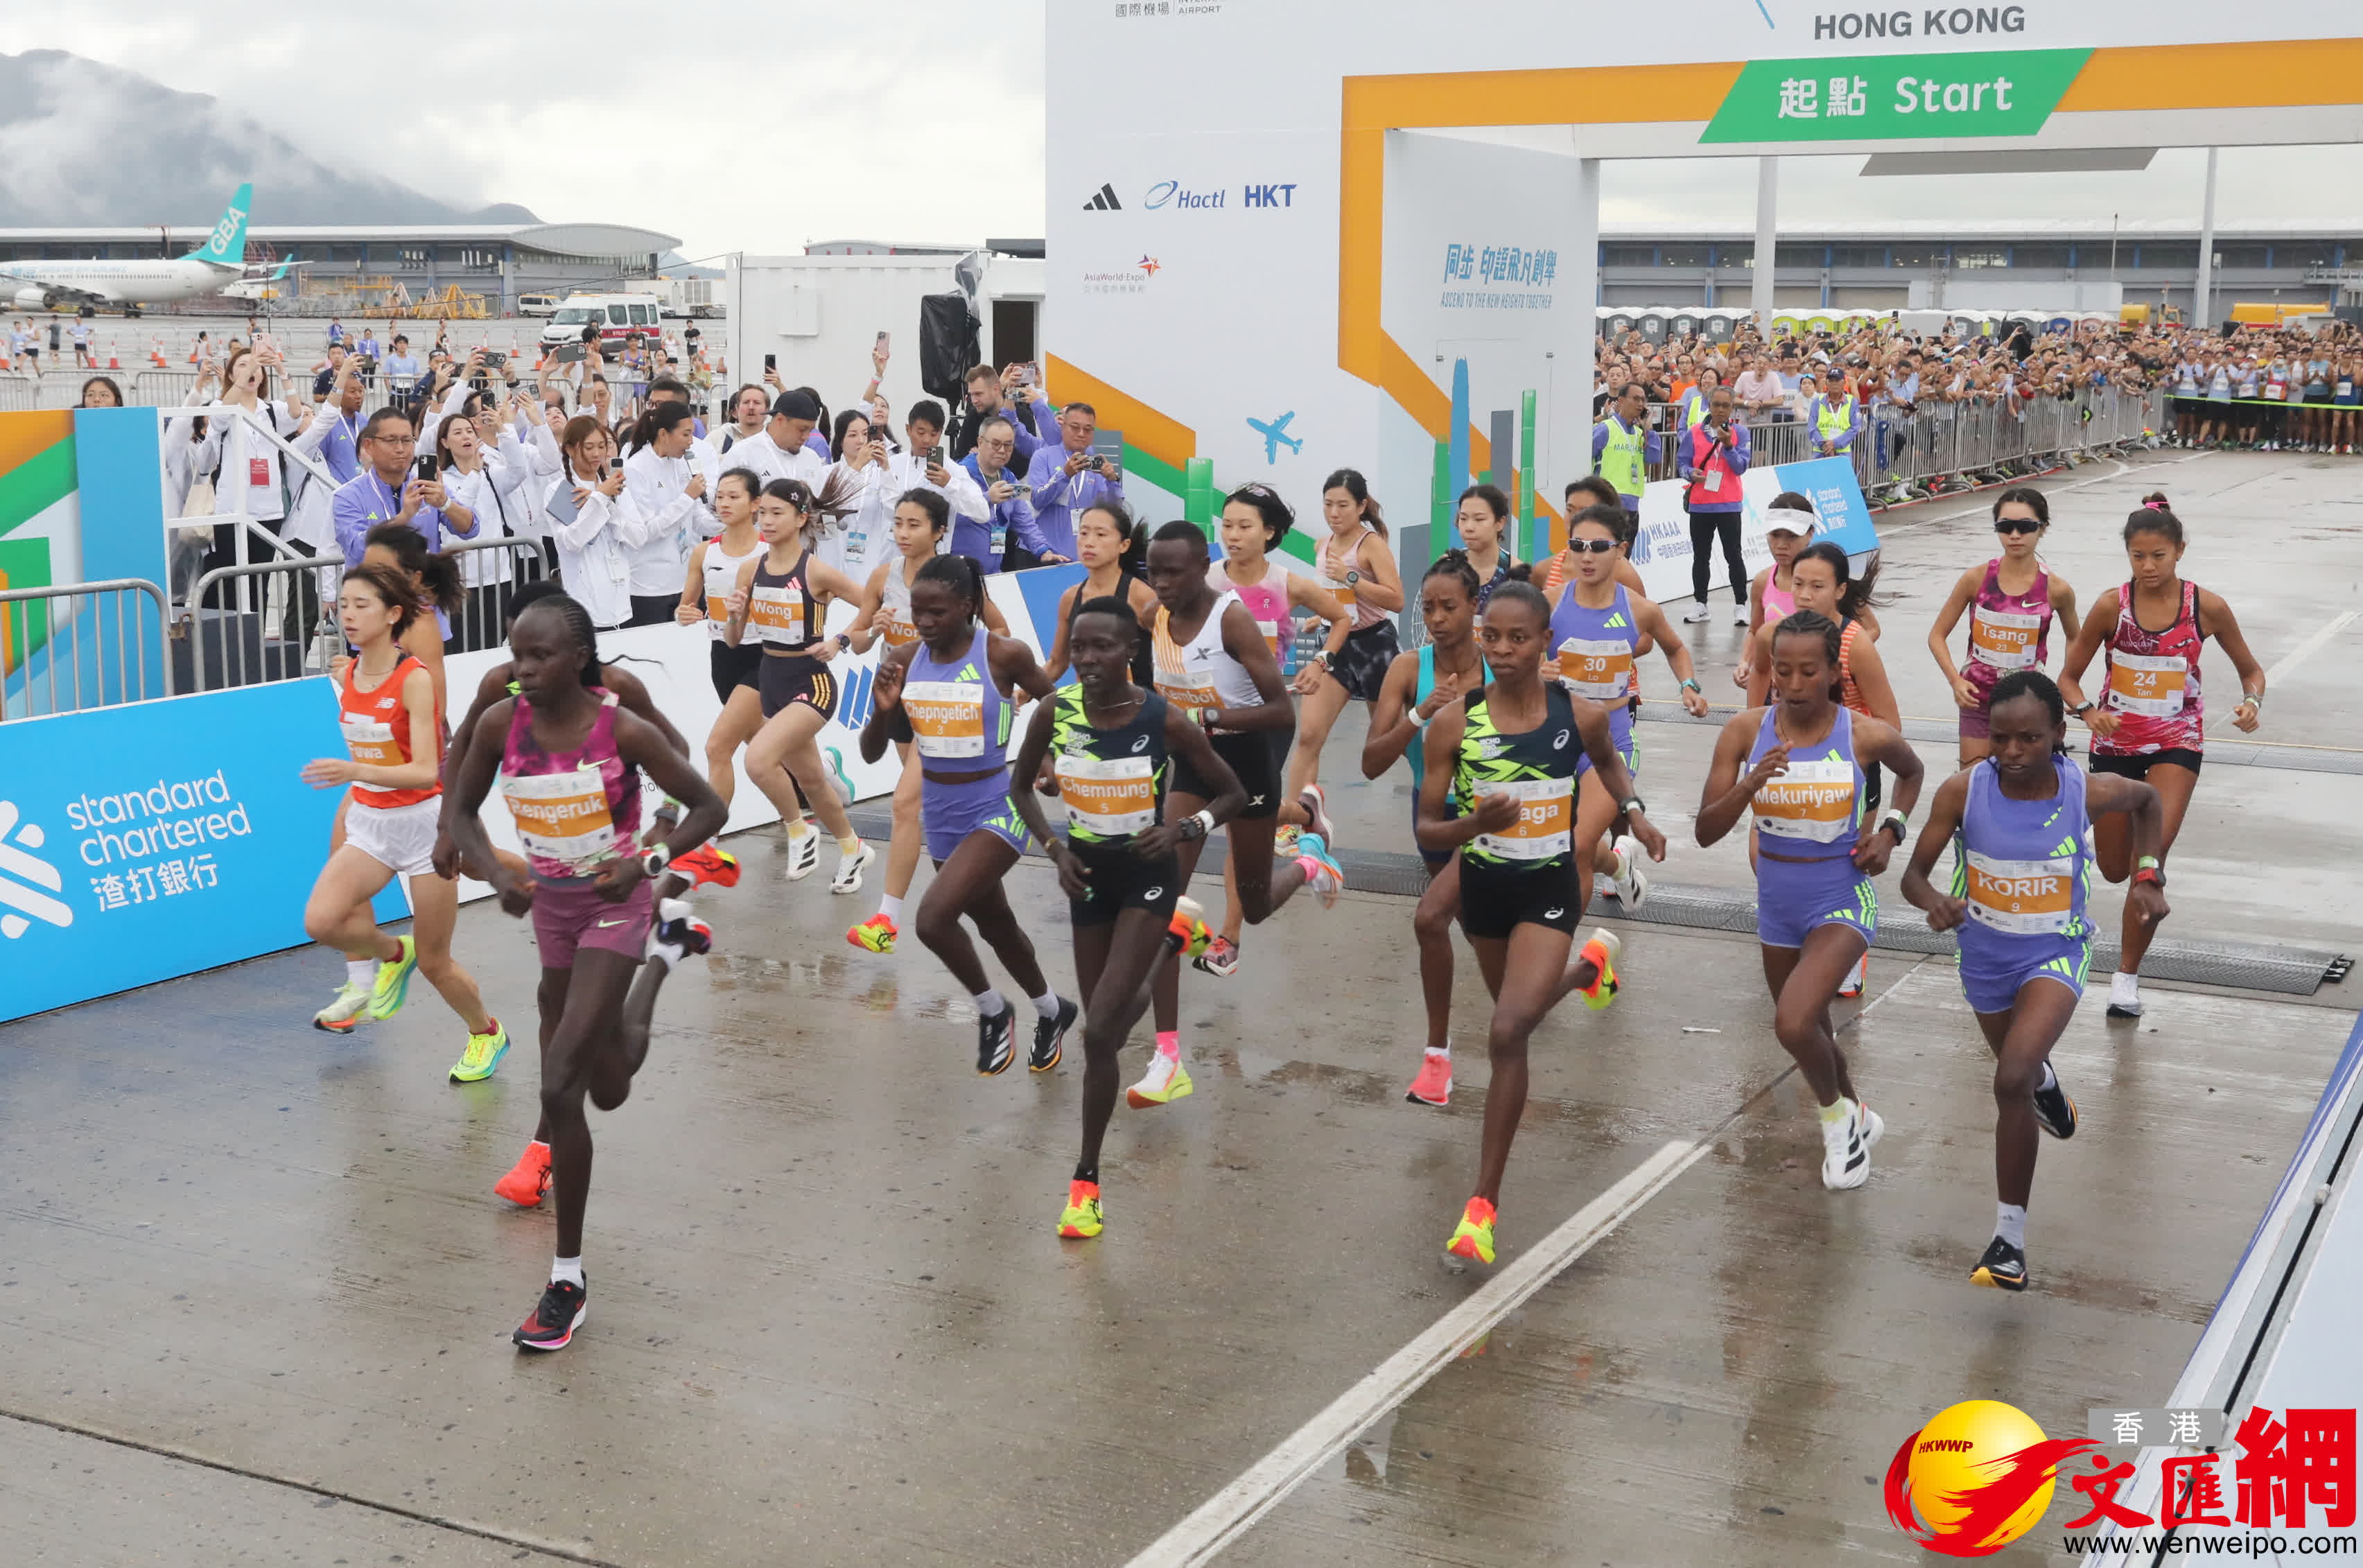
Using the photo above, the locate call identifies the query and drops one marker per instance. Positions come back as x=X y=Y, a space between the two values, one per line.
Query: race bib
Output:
x=899 y=633
x=2023 y=897
x=1108 y=797
x=562 y=816
x=2003 y=639
x=947 y=717
x=1813 y=801
x=1343 y=591
x=2146 y=684
x=1271 y=631
x=717 y=608
x=1190 y=690
x=1546 y=821
x=775 y=613
x=371 y=743
x=1601 y=669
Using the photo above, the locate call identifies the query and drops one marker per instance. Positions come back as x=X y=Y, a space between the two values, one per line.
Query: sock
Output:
x=1444 y=1051
x=1088 y=1172
x=850 y=844
x=891 y=908
x=989 y=1002
x=1047 y=1003
x=361 y=972
x=567 y=1270
x=2010 y=1224
x=2051 y=1079
x=798 y=827
x=1836 y=1110
x=1168 y=1044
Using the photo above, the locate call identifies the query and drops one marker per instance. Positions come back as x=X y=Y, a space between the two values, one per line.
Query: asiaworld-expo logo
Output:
x=28 y=883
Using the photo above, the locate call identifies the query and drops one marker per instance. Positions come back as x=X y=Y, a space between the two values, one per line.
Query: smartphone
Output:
x=613 y=466
x=567 y=354
x=771 y=362
x=495 y=359
x=883 y=340
x=426 y=469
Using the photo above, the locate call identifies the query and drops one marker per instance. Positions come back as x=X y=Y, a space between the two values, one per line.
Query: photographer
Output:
x=1712 y=455
x=1012 y=396
x=1007 y=538
x=1068 y=479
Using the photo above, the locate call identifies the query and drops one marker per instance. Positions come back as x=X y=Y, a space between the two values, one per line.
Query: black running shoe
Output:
x=2054 y=1113
x=1050 y=1038
x=554 y=1322
x=996 y=1040
x=2002 y=1267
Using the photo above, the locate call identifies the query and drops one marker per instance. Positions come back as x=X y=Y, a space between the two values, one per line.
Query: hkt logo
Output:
x=1173 y=193
x=1976 y=1478
x=18 y=899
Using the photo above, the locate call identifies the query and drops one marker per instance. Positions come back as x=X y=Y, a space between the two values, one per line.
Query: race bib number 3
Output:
x=1813 y=801
x=2146 y=684
x=1546 y=821
x=562 y=816
x=1600 y=670
x=2003 y=639
x=947 y=717
x=2022 y=897
x=1109 y=797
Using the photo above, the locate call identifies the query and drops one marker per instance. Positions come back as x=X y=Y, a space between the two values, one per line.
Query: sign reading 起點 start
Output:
x=1887 y=96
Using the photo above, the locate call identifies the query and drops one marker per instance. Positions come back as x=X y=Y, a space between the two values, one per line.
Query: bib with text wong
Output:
x=1110 y=797
x=1546 y=821
x=2023 y=897
x=947 y=717
x=562 y=816
x=776 y=613
x=2146 y=684
x=1814 y=801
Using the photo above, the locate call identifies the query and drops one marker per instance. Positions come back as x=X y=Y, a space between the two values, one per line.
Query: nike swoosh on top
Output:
x=604 y=924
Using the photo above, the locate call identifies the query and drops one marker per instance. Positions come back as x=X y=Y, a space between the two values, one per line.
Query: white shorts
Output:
x=399 y=838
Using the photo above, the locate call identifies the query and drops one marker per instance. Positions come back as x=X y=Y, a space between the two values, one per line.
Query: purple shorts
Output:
x=572 y=915
x=950 y=812
x=1976 y=725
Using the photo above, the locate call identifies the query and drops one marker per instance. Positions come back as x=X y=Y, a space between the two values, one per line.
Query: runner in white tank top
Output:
x=713 y=568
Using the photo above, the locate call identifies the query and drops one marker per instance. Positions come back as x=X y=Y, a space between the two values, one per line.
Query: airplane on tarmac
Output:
x=260 y=285
x=51 y=285
x=1275 y=435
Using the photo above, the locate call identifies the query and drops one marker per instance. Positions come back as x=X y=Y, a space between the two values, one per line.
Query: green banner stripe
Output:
x=1896 y=97
x=36 y=485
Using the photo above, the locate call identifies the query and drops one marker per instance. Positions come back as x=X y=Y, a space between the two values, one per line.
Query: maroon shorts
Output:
x=572 y=915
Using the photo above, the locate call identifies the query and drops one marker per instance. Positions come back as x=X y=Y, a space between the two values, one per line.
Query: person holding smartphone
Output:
x=925 y=464
x=1069 y=478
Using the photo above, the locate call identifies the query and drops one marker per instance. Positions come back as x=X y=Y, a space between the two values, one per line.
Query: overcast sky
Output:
x=783 y=124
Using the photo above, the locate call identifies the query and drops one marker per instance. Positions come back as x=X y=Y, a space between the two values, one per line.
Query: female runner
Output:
x=921 y=519
x=1484 y=517
x=1111 y=742
x=1359 y=569
x=780 y=600
x=948 y=696
x=1799 y=766
x=1419 y=686
x=1255 y=519
x=569 y=761
x=394 y=729
x=2149 y=722
x=1114 y=550
x=1788 y=523
x=2012 y=600
x=1214 y=665
x=1597 y=627
x=2023 y=822
x=713 y=568
x=1508 y=754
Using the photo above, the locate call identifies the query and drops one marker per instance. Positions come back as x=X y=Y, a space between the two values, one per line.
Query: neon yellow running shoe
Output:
x=1473 y=1237
x=1602 y=951
x=1080 y=1219
x=1166 y=1080
x=393 y=986
x=1188 y=931
x=482 y=1057
x=877 y=934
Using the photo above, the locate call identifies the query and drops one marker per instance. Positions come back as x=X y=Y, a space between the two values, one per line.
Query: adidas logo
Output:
x=2065 y=849
x=18 y=899
x=1104 y=201
x=968 y=673
x=1614 y=623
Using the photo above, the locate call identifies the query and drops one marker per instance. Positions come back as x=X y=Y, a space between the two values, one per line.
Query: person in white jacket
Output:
x=480 y=477
x=593 y=523
x=926 y=463
x=866 y=539
x=670 y=493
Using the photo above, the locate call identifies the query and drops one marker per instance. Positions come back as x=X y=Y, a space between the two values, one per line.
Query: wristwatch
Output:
x=2084 y=707
x=1632 y=806
x=654 y=861
x=1898 y=824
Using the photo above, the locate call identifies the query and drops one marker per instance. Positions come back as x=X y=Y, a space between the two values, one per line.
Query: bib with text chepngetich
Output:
x=2024 y=897
x=1601 y=669
x=947 y=717
x=1545 y=819
x=562 y=816
x=1813 y=801
x=2146 y=684
x=372 y=744
x=2003 y=639
x=1110 y=797
x=776 y=613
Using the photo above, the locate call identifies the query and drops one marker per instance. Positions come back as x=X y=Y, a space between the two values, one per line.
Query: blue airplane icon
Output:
x=1275 y=435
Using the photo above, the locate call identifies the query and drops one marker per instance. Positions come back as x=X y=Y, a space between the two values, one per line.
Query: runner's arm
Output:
x=691 y=608
x=1948 y=616
x=1759 y=670
x=1434 y=831
x=1651 y=623
x=873 y=598
x=1877 y=742
x=648 y=748
x=1022 y=772
x=1723 y=800
x=2216 y=621
x=1394 y=728
x=889 y=719
x=1944 y=817
x=1600 y=744
x=1870 y=675
x=1057 y=664
x=2063 y=604
x=1013 y=667
x=2083 y=648
x=479 y=760
x=1382 y=583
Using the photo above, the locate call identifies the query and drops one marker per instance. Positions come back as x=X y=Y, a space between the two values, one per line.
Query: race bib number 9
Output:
x=2022 y=897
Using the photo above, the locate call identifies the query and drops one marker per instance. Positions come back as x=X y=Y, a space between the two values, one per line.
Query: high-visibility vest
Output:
x=1621 y=458
x=1835 y=420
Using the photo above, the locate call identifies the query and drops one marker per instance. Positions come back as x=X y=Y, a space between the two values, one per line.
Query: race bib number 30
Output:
x=1599 y=669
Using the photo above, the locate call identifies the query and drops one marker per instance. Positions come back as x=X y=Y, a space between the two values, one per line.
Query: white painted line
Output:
x=2308 y=648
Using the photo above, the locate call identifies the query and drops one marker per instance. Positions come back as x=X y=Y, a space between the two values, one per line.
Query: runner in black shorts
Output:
x=1111 y=742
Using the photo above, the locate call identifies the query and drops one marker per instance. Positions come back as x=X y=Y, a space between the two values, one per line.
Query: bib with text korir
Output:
x=2023 y=897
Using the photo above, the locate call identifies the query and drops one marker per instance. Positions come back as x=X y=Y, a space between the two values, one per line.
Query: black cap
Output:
x=795 y=404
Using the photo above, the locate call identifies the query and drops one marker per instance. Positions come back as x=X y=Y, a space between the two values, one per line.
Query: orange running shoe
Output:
x=1434 y=1085
x=709 y=862
x=527 y=1179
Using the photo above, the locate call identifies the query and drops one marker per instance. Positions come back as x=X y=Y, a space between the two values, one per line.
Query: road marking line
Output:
x=2309 y=648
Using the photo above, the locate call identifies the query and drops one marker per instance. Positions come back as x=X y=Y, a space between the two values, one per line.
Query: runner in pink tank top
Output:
x=2011 y=601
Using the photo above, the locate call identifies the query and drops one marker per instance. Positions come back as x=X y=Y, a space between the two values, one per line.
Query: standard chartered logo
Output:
x=26 y=882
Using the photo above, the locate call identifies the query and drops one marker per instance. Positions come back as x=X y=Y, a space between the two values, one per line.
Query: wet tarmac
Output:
x=255 y=1290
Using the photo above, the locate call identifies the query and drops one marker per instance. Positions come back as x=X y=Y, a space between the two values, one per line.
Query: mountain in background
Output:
x=85 y=144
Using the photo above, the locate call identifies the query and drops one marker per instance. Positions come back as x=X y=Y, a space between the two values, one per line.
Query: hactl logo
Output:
x=1976 y=1478
x=1173 y=193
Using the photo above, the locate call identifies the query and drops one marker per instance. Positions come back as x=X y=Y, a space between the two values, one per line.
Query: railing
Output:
x=501 y=564
x=97 y=675
x=236 y=646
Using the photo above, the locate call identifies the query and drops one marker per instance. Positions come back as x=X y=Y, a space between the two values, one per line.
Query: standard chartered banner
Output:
x=1662 y=553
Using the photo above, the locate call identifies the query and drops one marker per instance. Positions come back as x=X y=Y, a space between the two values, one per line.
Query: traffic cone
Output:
x=112 y=363
x=156 y=352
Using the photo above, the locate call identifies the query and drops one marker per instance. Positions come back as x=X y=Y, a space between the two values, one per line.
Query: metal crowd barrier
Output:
x=99 y=673
x=292 y=634
x=499 y=565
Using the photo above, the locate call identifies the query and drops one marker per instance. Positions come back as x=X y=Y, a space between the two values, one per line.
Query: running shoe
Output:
x=2054 y=1113
x=849 y=868
x=1321 y=873
x=678 y=932
x=393 y=983
x=996 y=1042
x=1739 y=615
x=1631 y=883
x=838 y=780
x=527 y=1179
x=709 y=863
x=1434 y=1085
x=2003 y=1266
x=1188 y=931
x=877 y=933
x=560 y=1311
x=1699 y=615
x=1473 y=1237
x=1051 y=1037
x=1846 y=1153
x=1165 y=1082
x=1602 y=950
x=2124 y=996
x=1284 y=842
x=482 y=1057
x=803 y=855
x=1873 y=1128
x=1081 y=1219
x=1220 y=959
x=345 y=1010
x=1857 y=979
x=1316 y=813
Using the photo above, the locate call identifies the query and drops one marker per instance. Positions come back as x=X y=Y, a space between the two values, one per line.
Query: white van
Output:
x=619 y=317
x=536 y=304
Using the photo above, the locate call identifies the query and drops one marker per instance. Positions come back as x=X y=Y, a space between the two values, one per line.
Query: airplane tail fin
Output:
x=227 y=246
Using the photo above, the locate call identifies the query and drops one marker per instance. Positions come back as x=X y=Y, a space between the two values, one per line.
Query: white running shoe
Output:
x=1631 y=883
x=849 y=868
x=2124 y=996
x=1739 y=615
x=1857 y=979
x=804 y=853
x=1699 y=615
x=1846 y=1152
x=344 y=1009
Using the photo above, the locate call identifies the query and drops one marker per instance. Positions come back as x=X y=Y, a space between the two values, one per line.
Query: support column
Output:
x=1768 y=200
x=2198 y=298
x=1567 y=444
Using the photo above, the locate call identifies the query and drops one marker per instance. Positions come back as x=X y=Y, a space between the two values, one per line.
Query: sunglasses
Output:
x=2017 y=525
x=1591 y=546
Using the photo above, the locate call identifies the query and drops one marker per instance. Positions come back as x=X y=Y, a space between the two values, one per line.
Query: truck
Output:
x=699 y=297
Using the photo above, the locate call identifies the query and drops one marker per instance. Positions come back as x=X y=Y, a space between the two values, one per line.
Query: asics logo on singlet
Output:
x=17 y=869
x=1553 y=914
x=1558 y=742
x=1153 y=895
x=1141 y=743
